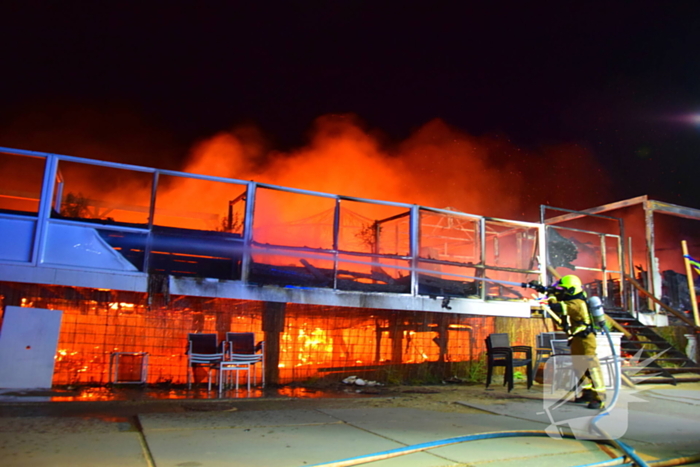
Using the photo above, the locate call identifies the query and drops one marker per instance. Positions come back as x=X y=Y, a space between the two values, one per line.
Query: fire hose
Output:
x=596 y=307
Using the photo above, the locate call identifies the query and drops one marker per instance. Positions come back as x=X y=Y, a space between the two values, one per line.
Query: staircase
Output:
x=669 y=365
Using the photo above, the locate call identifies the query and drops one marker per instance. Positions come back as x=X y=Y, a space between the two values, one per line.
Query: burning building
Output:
x=132 y=259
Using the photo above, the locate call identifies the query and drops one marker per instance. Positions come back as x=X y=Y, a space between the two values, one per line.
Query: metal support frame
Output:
x=248 y=244
x=594 y=212
x=650 y=207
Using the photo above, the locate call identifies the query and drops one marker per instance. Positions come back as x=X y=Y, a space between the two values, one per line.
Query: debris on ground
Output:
x=354 y=380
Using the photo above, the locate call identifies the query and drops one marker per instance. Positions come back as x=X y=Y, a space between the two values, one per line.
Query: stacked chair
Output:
x=203 y=352
x=241 y=353
x=543 y=351
x=499 y=352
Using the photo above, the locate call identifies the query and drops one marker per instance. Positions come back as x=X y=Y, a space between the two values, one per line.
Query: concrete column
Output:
x=396 y=329
x=273 y=326
x=443 y=321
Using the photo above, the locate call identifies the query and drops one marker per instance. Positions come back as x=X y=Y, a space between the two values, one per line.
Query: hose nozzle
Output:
x=535 y=285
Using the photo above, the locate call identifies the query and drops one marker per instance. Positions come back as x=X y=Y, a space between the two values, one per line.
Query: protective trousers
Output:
x=587 y=366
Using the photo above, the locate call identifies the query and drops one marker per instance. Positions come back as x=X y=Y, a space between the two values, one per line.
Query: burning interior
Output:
x=315 y=341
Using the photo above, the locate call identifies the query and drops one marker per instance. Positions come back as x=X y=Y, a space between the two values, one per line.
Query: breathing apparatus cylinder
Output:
x=595 y=307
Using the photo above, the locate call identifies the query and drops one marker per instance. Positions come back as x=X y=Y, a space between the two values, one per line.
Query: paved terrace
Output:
x=301 y=429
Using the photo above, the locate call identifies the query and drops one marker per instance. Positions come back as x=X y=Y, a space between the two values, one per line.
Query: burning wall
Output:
x=315 y=341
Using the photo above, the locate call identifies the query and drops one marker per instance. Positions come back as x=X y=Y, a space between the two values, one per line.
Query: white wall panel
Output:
x=28 y=341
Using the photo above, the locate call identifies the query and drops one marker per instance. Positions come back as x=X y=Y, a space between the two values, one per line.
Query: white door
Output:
x=28 y=341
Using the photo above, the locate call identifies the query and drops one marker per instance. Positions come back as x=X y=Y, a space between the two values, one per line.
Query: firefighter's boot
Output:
x=587 y=395
x=596 y=404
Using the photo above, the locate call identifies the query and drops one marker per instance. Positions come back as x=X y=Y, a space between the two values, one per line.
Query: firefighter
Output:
x=568 y=300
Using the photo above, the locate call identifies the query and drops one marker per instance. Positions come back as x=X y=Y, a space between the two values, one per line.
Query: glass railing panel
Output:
x=572 y=251
x=85 y=246
x=102 y=195
x=129 y=244
x=20 y=184
x=449 y=237
x=198 y=226
x=373 y=274
x=511 y=245
x=446 y=280
x=612 y=252
x=373 y=228
x=16 y=238
x=198 y=204
x=293 y=219
x=289 y=268
x=507 y=285
x=195 y=253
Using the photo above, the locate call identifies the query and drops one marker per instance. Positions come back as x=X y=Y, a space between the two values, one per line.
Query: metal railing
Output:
x=404 y=248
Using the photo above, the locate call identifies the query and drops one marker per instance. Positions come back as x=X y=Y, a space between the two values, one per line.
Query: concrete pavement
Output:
x=664 y=423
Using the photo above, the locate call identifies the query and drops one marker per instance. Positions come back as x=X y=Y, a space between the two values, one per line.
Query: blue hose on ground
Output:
x=619 y=461
x=628 y=450
x=622 y=461
x=607 y=463
x=431 y=445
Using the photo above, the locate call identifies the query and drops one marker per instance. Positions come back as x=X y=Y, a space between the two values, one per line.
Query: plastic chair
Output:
x=203 y=351
x=242 y=342
x=242 y=354
x=237 y=363
x=544 y=348
x=499 y=352
x=564 y=373
x=611 y=365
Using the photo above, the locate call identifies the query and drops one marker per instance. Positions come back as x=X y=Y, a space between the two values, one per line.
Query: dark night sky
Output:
x=155 y=77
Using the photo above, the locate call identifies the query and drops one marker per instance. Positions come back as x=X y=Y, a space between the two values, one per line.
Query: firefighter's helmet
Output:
x=571 y=284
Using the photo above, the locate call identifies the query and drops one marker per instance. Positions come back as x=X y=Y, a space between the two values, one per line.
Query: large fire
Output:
x=436 y=166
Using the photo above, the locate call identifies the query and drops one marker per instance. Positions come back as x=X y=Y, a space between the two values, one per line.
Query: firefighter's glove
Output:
x=555 y=306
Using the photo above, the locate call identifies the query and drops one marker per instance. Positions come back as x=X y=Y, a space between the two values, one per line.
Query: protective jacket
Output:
x=575 y=314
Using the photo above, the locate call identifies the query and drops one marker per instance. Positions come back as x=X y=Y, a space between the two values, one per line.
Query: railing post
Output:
x=623 y=263
x=604 y=266
x=248 y=231
x=414 y=238
x=544 y=260
x=482 y=257
x=652 y=273
x=50 y=170
x=336 y=234
x=151 y=221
